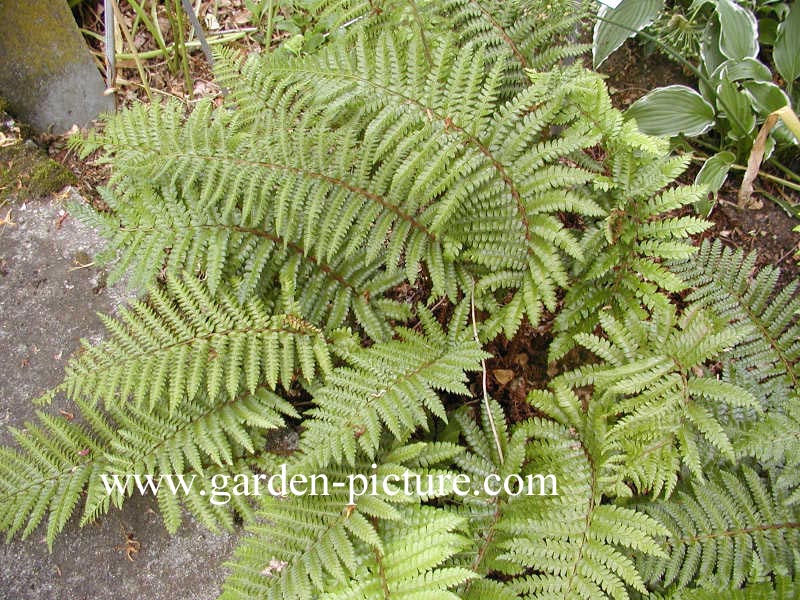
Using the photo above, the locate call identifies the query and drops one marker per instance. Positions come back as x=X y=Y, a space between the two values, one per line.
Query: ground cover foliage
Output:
x=453 y=147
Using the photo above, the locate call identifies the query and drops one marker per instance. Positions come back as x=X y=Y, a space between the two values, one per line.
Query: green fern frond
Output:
x=309 y=545
x=725 y=532
x=532 y=34
x=59 y=460
x=726 y=282
x=783 y=589
x=162 y=230
x=663 y=400
x=626 y=270
x=185 y=340
x=393 y=385
x=557 y=540
x=201 y=440
x=412 y=562
x=775 y=441
x=633 y=177
x=577 y=546
x=496 y=203
x=45 y=475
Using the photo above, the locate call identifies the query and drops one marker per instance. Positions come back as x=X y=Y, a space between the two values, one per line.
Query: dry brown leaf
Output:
x=503 y=376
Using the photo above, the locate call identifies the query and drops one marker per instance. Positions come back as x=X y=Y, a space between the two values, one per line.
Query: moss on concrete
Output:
x=27 y=172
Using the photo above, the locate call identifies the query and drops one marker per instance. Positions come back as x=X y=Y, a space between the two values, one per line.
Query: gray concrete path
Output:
x=48 y=301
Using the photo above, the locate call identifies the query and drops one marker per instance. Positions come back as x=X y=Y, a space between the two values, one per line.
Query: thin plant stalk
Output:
x=157 y=26
x=175 y=15
x=128 y=38
x=193 y=45
x=485 y=388
x=142 y=15
x=198 y=29
x=786 y=170
x=268 y=32
x=92 y=34
x=108 y=24
x=774 y=178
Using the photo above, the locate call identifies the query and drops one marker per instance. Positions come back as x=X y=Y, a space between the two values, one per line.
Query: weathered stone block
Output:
x=46 y=72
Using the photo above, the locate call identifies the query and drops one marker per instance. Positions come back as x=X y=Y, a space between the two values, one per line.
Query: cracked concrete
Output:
x=50 y=293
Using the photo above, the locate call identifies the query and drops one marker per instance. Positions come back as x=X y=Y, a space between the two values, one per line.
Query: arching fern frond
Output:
x=195 y=199
x=625 y=271
x=531 y=33
x=446 y=172
x=726 y=282
x=308 y=545
x=573 y=545
x=185 y=340
x=724 y=533
x=45 y=475
x=59 y=459
x=412 y=562
x=775 y=441
x=550 y=533
x=653 y=381
x=201 y=440
x=393 y=385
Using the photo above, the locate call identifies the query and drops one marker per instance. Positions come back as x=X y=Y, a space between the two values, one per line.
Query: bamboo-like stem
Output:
x=129 y=39
x=149 y=25
x=108 y=24
x=193 y=45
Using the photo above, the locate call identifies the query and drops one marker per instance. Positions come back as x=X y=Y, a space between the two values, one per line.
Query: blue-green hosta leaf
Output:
x=734 y=105
x=714 y=172
x=786 y=52
x=672 y=110
x=739 y=38
x=765 y=97
x=615 y=25
x=740 y=70
x=710 y=53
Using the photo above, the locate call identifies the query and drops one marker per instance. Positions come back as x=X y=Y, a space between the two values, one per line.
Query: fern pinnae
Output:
x=351 y=410
x=572 y=541
x=46 y=474
x=724 y=282
x=422 y=151
x=453 y=134
x=190 y=340
x=58 y=459
x=723 y=533
x=337 y=537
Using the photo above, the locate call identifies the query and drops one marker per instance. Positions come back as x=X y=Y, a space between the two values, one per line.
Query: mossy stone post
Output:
x=46 y=72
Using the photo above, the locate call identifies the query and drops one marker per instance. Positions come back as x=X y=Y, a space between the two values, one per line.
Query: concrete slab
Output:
x=48 y=301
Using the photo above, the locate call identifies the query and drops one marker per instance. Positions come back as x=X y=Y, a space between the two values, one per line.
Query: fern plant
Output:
x=724 y=533
x=350 y=229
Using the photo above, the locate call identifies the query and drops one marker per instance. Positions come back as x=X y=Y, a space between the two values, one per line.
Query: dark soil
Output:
x=632 y=73
x=769 y=229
